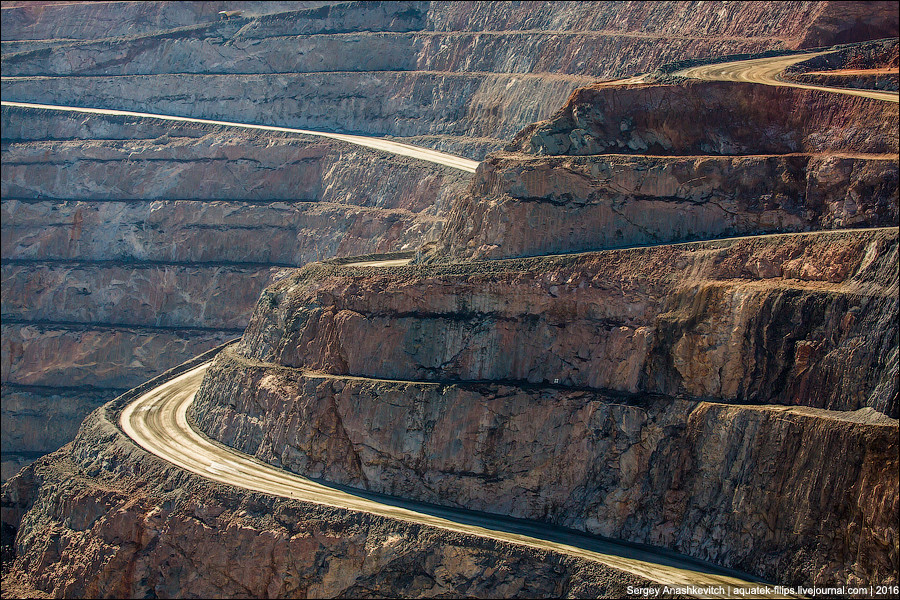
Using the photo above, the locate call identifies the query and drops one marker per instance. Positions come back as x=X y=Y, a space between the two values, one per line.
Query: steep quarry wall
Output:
x=460 y=77
x=759 y=119
x=522 y=416
x=623 y=320
x=446 y=69
x=523 y=205
x=144 y=527
x=646 y=164
x=732 y=400
x=707 y=479
x=130 y=245
x=91 y=20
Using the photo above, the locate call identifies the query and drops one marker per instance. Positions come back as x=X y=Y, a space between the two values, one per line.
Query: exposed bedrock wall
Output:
x=133 y=526
x=785 y=21
x=185 y=231
x=130 y=246
x=92 y=20
x=719 y=118
x=375 y=103
x=751 y=320
x=113 y=358
x=565 y=37
x=132 y=294
x=521 y=205
x=213 y=50
x=404 y=69
x=224 y=166
x=741 y=486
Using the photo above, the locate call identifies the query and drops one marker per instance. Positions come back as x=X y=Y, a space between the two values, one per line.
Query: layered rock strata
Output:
x=521 y=205
x=446 y=70
x=871 y=65
x=642 y=361
x=130 y=245
x=648 y=164
x=143 y=527
x=460 y=77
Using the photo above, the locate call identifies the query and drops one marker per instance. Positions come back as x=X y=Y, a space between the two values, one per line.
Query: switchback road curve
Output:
x=157 y=421
x=766 y=70
x=432 y=156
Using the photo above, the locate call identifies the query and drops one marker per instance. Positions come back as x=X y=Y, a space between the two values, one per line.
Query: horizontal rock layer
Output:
x=90 y=20
x=741 y=486
x=440 y=68
x=374 y=103
x=788 y=21
x=520 y=205
x=792 y=319
x=865 y=81
x=133 y=294
x=64 y=355
x=212 y=50
x=40 y=417
x=122 y=231
x=224 y=166
x=722 y=118
x=185 y=231
x=143 y=527
x=607 y=392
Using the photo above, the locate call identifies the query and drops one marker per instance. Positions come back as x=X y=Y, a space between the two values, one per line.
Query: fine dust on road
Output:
x=766 y=70
x=157 y=421
x=397 y=262
x=400 y=149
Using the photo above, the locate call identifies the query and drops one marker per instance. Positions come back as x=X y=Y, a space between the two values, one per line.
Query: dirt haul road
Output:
x=766 y=70
x=157 y=421
x=432 y=156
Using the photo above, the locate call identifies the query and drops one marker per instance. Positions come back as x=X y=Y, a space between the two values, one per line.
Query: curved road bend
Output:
x=157 y=422
x=432 y=156
x=766 y=70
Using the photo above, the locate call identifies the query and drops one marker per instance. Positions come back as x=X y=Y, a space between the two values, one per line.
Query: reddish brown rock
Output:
x=521 y=205
x=142 y=527
x=714 y=320
x=742 y=486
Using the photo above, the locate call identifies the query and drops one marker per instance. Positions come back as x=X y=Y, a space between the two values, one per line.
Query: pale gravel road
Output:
x=766 y=70
x=157 y=421
x=432 y=156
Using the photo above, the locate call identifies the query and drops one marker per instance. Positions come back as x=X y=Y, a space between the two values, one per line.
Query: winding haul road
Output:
x=157 y=421
x=432 y=156
x=766 y=71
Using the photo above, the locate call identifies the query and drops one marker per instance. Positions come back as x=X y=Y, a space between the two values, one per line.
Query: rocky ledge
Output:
x=143 y=528
x=680 y=396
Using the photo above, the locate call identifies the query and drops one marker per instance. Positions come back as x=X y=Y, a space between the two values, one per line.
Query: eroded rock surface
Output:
x=706 y=479
x=129 y=246
x=521 y=205
x=143 y=527
x=747 y=320
x=522 y=417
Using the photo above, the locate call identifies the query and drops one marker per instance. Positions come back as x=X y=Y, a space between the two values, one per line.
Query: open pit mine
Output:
x=450 y=299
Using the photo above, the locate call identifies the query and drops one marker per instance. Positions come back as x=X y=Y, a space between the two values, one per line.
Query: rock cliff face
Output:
x=734 y=400
x=703 y=377
x=452 y=71
x=525 y=205
x=687 y=335
x=129 y=246
x=783 y=160
x=145 y=528
x=706 y=479
x=91 y=197
x=729 y=321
